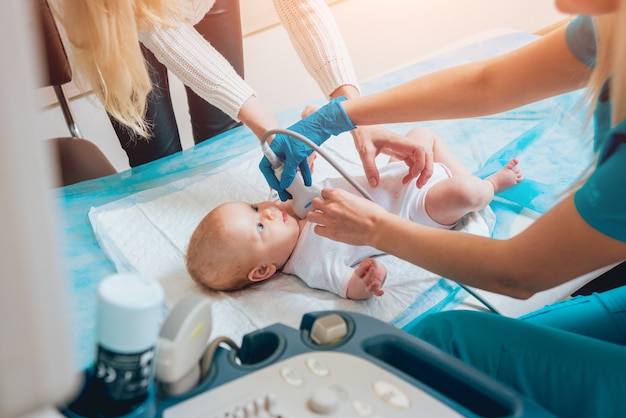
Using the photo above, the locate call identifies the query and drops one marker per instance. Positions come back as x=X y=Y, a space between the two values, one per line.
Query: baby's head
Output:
x=238 y=244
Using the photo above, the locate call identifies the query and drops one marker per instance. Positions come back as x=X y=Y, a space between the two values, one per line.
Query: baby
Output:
x=238 y=244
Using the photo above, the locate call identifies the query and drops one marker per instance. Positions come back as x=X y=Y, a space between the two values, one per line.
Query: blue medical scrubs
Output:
x=570 y=357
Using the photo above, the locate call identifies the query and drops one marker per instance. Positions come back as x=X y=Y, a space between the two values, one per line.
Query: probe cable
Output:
x=357 y=186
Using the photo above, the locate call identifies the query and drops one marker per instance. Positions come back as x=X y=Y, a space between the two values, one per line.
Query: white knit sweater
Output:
x=201 y=67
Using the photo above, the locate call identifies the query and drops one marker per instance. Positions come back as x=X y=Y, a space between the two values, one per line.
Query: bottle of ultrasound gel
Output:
x=129 y=314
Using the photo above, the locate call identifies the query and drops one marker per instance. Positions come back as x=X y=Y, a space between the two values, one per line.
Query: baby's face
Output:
x=264 y=228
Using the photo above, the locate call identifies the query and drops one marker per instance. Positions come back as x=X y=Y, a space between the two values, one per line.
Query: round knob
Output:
x=323 y=401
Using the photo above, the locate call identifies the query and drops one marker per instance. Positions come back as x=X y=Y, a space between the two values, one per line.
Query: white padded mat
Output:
x=148 y=232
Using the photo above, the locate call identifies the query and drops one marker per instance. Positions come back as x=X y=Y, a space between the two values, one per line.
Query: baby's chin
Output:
x=298 y=223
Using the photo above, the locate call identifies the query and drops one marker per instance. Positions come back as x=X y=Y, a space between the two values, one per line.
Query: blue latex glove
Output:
x=329 y=120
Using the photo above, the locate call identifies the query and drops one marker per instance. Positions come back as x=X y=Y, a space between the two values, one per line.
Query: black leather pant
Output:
x=221 y=26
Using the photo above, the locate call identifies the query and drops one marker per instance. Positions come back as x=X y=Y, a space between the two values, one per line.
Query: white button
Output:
x=362 y=409
x=391 y=394
x=249 y=410
x=323 y=401
x=317 y=367
x=329 y=329
x=291 y=376
x=270 y=403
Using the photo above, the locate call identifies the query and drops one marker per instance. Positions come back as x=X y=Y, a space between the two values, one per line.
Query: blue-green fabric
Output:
x=570 y=375
x=601 y=201
x=600 y=315
x=581 y=39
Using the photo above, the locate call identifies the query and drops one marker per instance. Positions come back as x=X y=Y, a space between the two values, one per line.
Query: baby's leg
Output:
x=450 y=199
x=441 y=153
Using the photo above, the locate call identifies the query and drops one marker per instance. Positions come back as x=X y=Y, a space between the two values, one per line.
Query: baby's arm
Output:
x=367 y=280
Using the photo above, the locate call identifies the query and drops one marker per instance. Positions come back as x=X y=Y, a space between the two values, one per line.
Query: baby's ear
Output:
x=260 y=273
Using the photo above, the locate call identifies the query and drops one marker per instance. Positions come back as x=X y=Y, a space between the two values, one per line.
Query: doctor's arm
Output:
x=372 y=140
x=541 y=69
x=556 y=248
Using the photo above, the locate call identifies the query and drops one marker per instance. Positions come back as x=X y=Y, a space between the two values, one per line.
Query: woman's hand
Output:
x=329 y=120
x=342 y=216
x=372 y=140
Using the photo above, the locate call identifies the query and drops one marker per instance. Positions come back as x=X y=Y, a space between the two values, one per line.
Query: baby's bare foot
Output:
x=507 y=177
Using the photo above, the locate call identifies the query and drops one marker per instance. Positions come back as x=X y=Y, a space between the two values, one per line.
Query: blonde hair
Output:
x=610 y=30
x=213 y=258
x=104 y=35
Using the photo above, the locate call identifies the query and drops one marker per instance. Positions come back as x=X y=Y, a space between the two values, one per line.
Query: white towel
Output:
x=149 y=231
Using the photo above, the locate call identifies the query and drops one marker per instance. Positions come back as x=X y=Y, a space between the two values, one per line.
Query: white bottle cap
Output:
x=130 y=310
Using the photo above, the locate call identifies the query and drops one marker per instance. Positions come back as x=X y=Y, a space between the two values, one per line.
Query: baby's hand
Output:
x=373 y=274
x=306 y=112
x=308 y=109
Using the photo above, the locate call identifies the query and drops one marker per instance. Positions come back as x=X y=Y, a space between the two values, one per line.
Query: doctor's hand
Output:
x=370 y=141
x=329 y=120
x=343 y=216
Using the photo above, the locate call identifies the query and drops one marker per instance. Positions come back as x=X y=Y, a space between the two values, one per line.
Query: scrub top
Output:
x=601 y=201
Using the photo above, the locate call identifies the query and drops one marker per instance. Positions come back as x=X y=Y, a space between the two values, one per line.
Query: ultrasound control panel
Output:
x=312 y=385
x=342 y=364
x=337 y=364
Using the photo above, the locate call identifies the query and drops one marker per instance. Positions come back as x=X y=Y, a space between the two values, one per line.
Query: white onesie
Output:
x=326 y=264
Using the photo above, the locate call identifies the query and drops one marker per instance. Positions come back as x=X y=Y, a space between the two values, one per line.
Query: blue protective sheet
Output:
x=541 y=135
